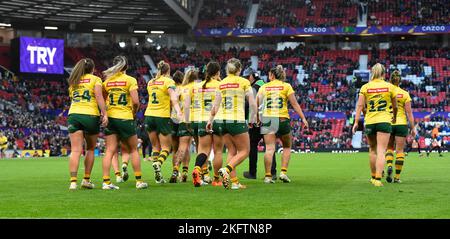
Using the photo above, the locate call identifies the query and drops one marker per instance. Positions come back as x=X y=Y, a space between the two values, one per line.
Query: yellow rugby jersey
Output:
x=173 y=113
x=233 y=90
x=378 y=94
x=158 y=97
x=402 y=98
x=275 y=97
x=3 y=141
x=118 y=102
x=82 y=96
x=186 y=91
x=203 y=97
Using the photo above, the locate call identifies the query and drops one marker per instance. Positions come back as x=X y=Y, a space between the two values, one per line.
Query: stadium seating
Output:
x=318 y=75
x=324 y=13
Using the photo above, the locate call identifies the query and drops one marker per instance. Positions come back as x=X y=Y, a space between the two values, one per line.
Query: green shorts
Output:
x=122 y=127
x=161 y=125
x=199 y=128
x=229 y=127
x=277 y=126
x=183 y=130
x=399 y=130
x=371 y=129
x=90 y=124
x=175 y=127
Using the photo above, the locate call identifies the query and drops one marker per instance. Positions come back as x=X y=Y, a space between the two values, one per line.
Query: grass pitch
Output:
x=324 y=185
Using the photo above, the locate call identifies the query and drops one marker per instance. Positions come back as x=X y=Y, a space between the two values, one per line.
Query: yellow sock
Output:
x=378 y=176
x=373 y=175
x=117 y=173
x=284 y=170
x=268 y=175
x=155 y=155
x=176 y=168
x=185 y=169
x=389 y=157
x=138 y=176
x=197 y=168
x=87 y=176
x=163 y=156
x=73 y=179
x=399 y=164
x=229 y=168
x=106 y=180
x=235 y=180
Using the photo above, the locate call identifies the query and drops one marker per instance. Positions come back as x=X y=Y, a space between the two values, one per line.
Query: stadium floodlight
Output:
x=98 y=30
x=140 y=31
x=158 y=47
x=5 y=25
x=50 y=28
x=137 y=43
x=149 y=40
x=122 y=44
x=157 y=32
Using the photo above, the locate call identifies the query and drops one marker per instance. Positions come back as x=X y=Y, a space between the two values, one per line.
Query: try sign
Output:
x=41 y=55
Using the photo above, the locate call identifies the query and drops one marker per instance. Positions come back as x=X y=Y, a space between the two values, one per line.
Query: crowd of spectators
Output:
x=324 y=13
x=33 y=111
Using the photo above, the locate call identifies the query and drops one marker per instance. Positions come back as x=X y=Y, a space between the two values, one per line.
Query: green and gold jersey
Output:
x=82 y=96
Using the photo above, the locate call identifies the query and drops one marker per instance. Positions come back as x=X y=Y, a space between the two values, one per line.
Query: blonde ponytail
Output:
x=119 y=64
x=190 y=76
x=163 y=69
x=83 y=67
x=234 y=66
x=377 y=71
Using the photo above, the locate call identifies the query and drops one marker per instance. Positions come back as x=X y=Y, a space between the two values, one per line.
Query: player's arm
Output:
x=409 y=114
x=394 y=108
x=134 y=100
x=186 y=106
x=252 y=105
x=298 y=109
x=359 y=108
x=174 y=100
x=99 y=97
x=214 y=110
x=259 y=102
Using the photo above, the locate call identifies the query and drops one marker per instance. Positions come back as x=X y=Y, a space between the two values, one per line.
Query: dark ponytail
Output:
x=212 y=68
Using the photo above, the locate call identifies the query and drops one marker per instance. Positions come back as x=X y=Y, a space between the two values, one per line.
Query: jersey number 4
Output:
x=121 y=101
x=85 y=96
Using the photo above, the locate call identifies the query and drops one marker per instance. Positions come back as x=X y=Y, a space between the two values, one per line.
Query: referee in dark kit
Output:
x=255 y=131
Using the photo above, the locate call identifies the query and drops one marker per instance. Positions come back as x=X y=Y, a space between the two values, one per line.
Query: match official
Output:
x=255 y=131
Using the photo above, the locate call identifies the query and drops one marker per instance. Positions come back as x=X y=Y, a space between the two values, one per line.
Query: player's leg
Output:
x=91 y=142
x=382 y=142
x=111 y=149
x=372 y=141
x=286 y=156
x=175 y=150
x=131 y=149
x=242 y=144
x=166 y=144
x=269 y=140
x=218 y=160
x=125 y=159
x=204 y=148
x=76 y=143
x=390 y=158
x=400 y=157
x=156 y=145
x=183 y=150
x=232 y=151
x=116 y=167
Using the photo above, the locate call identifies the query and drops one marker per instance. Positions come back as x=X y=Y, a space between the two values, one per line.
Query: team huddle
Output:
x=180 y=109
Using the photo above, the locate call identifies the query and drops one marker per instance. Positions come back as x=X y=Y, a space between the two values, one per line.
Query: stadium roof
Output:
x=85 y=15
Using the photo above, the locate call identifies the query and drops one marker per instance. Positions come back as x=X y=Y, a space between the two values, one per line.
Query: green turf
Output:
x=323 y=186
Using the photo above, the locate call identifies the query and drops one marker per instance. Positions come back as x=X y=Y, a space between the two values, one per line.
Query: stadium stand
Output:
x=323 y=86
